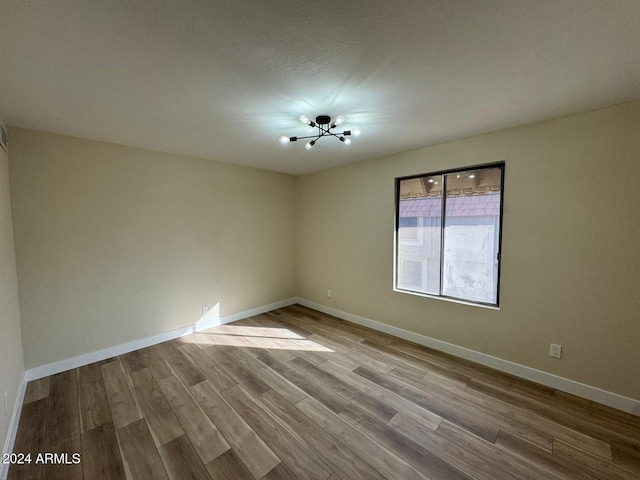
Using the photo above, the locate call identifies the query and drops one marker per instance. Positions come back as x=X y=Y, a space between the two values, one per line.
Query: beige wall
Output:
x=571 y=256
x=116 y=244
x=11 y=366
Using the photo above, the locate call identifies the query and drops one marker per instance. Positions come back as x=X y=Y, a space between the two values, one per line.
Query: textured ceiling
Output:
x=223 y=80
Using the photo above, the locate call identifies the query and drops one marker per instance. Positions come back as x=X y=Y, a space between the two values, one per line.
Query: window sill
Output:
x=447 y=299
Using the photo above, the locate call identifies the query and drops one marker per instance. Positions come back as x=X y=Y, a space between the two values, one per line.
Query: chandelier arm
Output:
x=330 y=134
x=339 y=134
x=311 y=136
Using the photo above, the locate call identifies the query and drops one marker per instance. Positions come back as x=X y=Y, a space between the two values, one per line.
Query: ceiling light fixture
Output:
x=325 y=129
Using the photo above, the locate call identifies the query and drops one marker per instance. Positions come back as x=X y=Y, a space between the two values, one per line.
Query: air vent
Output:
x=3 y=137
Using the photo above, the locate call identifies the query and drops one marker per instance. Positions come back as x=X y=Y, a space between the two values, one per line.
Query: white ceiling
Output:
x=223 y=79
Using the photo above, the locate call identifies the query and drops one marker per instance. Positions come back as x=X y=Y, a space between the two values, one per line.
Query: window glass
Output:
x=471 y=235
x=420 y=198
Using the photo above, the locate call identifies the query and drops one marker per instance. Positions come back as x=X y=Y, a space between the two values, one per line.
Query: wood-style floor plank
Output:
x=62 y=434
x=162 y=422
x=94 y=406
x=203 y=434
x=267 y=320
x=504 y=416
x=229 y=465
x=627 y=456
x=63 y=399
x=295 y=394
x=531 y=415
x=64 y=441
x=218 y=377
x=548 y=461
x=181 y=460
x=615 y=420
x=157 y=365
x=592 y=464
x=366 y=348
x=456 y=366
x=449 y=451
x=134 y=361
x=354 y=359
x=337 y=455
x=303 y=463
x=328 y=397
x=372 y=452
x=407 y=408
x=30 y=440
x=419 y=457
x=249 y=447
x=335 y=384
x=124 y=408
x=502 y=459
x=181 y=365
x=443 y=409
x=276 y=382
x=401 y=356
x=280 y=472
x=249 y=380
x=100 y=454
x=139 y=454
x=37 y=390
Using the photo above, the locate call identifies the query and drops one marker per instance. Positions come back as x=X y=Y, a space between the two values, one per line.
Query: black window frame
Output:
x=396 y=242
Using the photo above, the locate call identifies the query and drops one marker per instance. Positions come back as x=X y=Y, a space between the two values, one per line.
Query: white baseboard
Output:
x=13 y=426
x=598 y=395
x=210 y=319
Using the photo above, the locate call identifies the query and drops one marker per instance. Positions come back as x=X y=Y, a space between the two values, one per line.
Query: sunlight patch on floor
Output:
x=254 y=331
x=255 y=337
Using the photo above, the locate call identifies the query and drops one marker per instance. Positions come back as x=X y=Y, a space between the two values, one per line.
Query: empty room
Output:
x=320 y=240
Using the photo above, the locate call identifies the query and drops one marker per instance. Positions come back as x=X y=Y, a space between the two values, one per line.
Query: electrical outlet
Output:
x=205 y=309
x=329 y=293
x=555 y=350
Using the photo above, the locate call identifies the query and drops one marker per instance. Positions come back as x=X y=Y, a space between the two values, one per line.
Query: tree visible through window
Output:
x=448 y=233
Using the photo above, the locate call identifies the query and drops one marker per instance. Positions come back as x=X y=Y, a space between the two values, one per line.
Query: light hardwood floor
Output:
x=296 y=394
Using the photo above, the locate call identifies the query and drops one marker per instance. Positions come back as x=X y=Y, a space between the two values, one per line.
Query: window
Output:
x=448 y=234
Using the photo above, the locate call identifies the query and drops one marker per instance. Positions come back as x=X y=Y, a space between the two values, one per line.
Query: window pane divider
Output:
x=443 y=209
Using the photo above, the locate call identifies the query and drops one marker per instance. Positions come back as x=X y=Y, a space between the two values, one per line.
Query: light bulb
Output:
x=339 y=119
x=347 y=141
x=356 y=132
x=283 y=140
x=305 y=119
x=310 y=145
x=472 y=176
